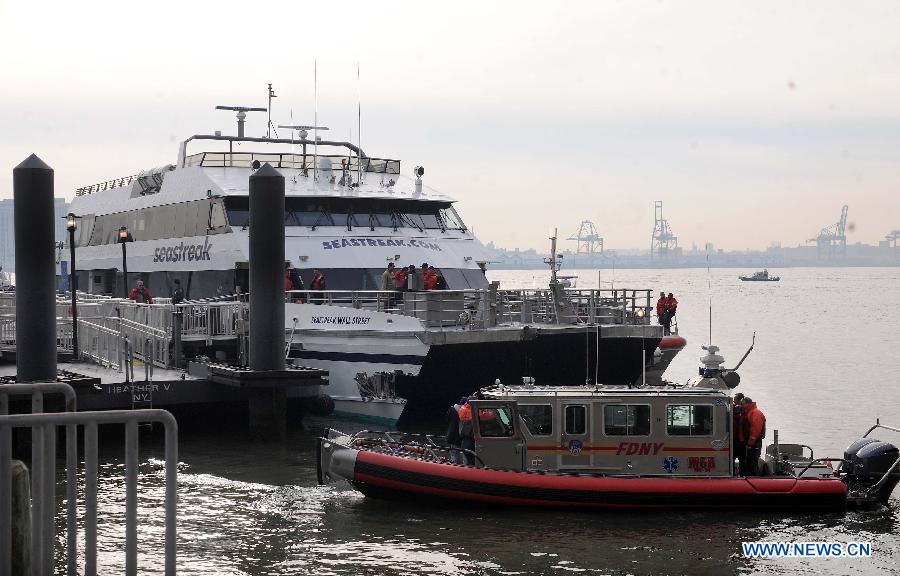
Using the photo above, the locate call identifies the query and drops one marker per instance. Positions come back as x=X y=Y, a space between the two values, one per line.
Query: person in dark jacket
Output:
x=754 y=428
x=467 y=433
x=177 y=292
x=453 y=438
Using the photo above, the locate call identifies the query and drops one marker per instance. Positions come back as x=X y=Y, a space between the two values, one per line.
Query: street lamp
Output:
x=71 y=226
x=124 y=238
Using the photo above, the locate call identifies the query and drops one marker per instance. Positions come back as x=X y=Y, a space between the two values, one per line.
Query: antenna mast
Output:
x=358 y=127
x=269 y=126
x=315 y=120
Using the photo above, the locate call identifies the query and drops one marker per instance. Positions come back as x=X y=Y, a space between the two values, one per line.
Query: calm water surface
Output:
x=823 y=369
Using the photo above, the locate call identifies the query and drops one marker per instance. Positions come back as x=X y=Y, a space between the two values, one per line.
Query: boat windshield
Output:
x=356 y=212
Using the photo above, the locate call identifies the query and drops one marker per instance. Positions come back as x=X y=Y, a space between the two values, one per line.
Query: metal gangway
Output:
x=44 y=426
x=113 y=332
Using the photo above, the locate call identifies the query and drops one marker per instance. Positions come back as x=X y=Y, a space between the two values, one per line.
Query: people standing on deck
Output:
x=671 y=309
x=414 y=280
x=140 y=294
x=440 y=283
x=737 y=440
x=400 y=279
x=661 y=308
x=754 y=428
x=430 y=276
x=177 y=292
x=317 y=284
x=387 y=284
x=466 y=433
x=453 y=438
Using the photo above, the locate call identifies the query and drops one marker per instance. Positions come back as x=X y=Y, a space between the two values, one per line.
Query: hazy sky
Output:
x=752 y=121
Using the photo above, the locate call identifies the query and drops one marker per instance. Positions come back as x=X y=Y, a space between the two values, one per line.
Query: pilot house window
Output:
x=538 y=418
x=689 y=420
x=626 y=420
x=576 y=420
x=496 y=422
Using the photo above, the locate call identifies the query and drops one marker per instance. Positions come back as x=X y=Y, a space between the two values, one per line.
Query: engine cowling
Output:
x=868 y=460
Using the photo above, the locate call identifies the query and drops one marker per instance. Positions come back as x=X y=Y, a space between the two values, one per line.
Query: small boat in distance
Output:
x=760 y=277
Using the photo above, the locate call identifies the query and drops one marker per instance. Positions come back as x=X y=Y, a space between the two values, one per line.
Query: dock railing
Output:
x=44 y=497
x=43 y=478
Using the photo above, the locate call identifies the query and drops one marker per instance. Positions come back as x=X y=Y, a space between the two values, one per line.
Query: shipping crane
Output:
x=831 y=242
x=588 y=240
x=663 y=241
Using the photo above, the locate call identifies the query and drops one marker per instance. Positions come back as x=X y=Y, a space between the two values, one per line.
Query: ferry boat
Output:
x=609 y=447
x=348 y=215
x=762 y=276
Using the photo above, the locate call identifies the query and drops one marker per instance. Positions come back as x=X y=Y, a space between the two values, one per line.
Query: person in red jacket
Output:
x=400 y=279
x=754 y=429
x=430 y=277
x=661 y=308
x=140 y=294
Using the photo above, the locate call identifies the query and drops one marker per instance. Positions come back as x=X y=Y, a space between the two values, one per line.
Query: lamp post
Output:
x=71 y=226
x=124 y=238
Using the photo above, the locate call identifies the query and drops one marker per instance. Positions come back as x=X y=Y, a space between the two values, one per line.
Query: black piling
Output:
x=268 y=417
x=35 y=271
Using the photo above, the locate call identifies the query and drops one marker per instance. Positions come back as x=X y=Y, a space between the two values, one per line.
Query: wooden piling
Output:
x=21 y=519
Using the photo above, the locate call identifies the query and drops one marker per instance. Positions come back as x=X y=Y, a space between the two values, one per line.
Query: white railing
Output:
x=490 y=306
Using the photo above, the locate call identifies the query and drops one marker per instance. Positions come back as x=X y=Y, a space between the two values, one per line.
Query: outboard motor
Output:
x=867 y=461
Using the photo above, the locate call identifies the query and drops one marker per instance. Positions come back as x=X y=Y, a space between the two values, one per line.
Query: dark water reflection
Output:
x=822 y=373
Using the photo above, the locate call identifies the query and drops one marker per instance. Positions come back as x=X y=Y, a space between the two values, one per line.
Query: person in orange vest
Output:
x=754 y=429
x=661 y=308
x=466 y=434
x=400 y=279
x=430 y=276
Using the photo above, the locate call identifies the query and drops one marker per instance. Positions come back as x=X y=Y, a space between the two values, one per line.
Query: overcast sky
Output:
x=753 y=121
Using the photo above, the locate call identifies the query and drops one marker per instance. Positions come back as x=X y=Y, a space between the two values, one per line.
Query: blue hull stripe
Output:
x=358 y=357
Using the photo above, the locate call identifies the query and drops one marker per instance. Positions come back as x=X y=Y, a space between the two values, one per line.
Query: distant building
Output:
x=8 y=229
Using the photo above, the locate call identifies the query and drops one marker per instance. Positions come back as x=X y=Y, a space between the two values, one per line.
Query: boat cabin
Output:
x=609 y=430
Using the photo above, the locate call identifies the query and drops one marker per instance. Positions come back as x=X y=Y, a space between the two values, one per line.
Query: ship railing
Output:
x=433 y=307
x=489 y=307
x=296 y=161
x=108 y=185
x=575 y=306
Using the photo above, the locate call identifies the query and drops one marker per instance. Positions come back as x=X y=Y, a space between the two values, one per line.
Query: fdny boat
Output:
x=348 y=215
x=610 y=447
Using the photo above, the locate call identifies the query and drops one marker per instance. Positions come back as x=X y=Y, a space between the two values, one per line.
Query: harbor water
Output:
x=824 y=368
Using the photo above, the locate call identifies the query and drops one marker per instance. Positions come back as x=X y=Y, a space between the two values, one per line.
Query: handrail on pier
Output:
x=44 y=499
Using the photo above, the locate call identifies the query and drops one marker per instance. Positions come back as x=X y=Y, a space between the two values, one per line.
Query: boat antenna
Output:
x=709 y=293
x=315 y=120
x=358 y=127
x=270 y=127
x=241 y=115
